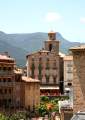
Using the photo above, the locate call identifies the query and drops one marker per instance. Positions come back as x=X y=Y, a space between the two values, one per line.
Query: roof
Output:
x=5 y=57
x=49 y=87
x=28 y=79
x=18 y=71
x=40 y=51
x=78 y=48
x=68 y=57
x=52 y=32
x=61 y=54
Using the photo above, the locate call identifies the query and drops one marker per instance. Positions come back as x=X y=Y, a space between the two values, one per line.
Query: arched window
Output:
x=47 y=78
x=54 y=79
x=50 y=47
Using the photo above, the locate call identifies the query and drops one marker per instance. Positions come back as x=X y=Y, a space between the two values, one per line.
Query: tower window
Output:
x=47 y=78
x=50 y=47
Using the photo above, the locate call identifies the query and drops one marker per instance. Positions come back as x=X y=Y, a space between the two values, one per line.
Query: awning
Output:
x=49 y=88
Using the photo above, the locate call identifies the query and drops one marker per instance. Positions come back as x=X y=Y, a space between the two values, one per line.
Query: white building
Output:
x=68 y=71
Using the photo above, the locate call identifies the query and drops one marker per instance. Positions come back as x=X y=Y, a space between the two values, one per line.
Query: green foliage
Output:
x=49 y=105
x=42 y=110
x=44 y=99
x=18 y=116
x=40 y=69
x=3 y=117
x=32 y=69
x=63 y=97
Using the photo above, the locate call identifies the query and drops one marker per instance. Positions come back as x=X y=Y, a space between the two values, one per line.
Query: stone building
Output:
x=32 y=92
x=16 y=92
x=7 y=79
x=78 y=78
x=45 y=66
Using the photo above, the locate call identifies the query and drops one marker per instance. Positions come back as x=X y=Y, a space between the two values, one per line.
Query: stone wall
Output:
x=79 y=81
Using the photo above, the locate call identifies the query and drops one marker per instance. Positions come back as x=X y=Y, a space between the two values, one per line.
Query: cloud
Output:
x=82 y=19
x=52 y=17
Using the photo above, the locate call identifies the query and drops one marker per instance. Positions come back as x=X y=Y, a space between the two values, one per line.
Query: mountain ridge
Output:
x=20 y=44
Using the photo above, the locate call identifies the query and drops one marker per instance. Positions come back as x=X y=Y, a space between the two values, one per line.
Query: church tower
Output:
x=52 y=44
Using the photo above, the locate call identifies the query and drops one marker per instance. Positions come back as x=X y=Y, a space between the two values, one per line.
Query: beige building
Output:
x=68 y=72
x=78 y=78
x=32 y=92
x=45 y=66
x=7 y=80
x=16 y=92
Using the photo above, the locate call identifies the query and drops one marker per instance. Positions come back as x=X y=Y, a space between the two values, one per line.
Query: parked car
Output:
x=79 y=116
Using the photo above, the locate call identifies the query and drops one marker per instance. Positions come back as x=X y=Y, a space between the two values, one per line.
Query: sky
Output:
x=28 y=16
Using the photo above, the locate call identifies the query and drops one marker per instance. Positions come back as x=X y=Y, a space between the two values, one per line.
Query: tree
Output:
x=3 y=117
x=18 y=116
x=44 y=99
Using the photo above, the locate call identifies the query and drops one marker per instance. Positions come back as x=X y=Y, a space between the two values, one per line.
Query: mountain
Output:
x=19 y=45
x=13 y=51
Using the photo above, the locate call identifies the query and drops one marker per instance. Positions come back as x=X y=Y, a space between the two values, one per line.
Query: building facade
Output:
x=68 y=72
x=16 y=92
x=78 y=78
x=7 y=79
x=32 y=92
x=45 y=65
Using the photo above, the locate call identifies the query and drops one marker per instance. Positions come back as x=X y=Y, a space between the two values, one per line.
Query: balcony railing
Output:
x=6 y=72
x=6 y=84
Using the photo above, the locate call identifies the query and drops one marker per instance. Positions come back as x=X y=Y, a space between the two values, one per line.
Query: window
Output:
x=4 y=68
x=50 y=47
x=9 y=100
x=0 y=68
x=10 y=91
x=51 y=36
x=4 y=79
x=69 y=65
x=40 y=59
x=9 y=68
x=40 y=69
x=47 y=59
x=32 y=70
x=69 y=70
x=47 y=66
x=40 y=77
x=69 y=84
x=1 y=91
x=47 y=78
x=54 y=65
x=0 y=80
x=9 y=79
x=5 y=91
x=54 y=79
x=32 y=59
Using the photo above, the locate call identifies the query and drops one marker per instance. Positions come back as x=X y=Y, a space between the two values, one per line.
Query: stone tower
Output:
x=78 y=78
x=52 y=44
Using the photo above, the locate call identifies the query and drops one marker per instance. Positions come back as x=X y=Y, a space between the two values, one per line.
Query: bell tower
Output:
x=52 y=44
x=52 y=36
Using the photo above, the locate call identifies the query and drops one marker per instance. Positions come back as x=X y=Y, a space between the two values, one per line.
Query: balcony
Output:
x=6 y=72
x=6 y=84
